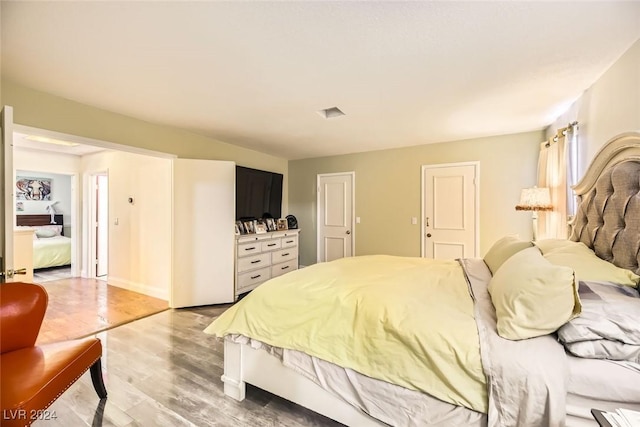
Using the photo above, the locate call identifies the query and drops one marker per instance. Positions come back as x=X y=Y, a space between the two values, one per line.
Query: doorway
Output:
x=336 y=200
x=100 y=226
x=450 y=194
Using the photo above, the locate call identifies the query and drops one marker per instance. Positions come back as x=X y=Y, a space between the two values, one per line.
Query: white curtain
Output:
x=552 y=173
x=572 y=168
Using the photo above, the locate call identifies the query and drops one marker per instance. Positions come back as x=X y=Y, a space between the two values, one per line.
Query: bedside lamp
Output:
x=535 y=199
x=51 y=208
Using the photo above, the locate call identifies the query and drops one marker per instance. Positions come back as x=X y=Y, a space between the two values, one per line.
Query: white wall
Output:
x=609 y=107
x=140 y=243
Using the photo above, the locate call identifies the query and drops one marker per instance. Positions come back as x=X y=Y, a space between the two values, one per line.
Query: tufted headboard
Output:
x=608 y=216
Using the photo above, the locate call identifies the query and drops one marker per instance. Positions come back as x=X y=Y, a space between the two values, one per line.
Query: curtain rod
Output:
x=562 y=131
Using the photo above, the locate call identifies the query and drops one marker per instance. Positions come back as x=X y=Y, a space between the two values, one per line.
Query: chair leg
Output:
x=96 y=379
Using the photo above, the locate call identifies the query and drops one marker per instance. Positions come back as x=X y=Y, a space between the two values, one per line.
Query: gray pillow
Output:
x=504 y=249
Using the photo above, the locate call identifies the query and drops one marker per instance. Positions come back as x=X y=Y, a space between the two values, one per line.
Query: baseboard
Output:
x=139 y=287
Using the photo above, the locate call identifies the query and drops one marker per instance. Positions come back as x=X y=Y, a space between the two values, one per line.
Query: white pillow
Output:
x=586 y=264
x=533 y=297
x=45 y=231
x=502 y=250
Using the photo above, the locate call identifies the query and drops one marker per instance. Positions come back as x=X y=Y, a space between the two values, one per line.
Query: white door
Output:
x=6 y=186
x=204 y=208
x=335 y=215
x=102 y=225
x=450 y=210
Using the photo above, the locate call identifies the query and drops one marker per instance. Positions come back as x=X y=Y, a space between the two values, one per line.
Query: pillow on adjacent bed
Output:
x=533 y=297
x=45 y=231
x=586 y=264
x=504 y=249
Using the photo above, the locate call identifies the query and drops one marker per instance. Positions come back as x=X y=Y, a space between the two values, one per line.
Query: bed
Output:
x=381 y=340
x=51 y=248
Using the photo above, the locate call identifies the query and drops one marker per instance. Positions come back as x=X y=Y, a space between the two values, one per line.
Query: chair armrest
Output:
x=22 y=308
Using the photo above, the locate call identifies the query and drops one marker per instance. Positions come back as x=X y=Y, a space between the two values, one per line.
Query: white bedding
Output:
x=600 y=384
x=51 y=252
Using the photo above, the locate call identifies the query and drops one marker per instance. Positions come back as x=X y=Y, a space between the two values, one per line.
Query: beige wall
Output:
x=388 y=191
x=609 y=107
x=140 y=245
x=46 y=111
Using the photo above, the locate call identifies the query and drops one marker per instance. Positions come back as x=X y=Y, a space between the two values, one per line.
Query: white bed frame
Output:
x=243 y=364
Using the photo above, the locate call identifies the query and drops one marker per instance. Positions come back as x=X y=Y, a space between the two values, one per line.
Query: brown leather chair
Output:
x=33 y=376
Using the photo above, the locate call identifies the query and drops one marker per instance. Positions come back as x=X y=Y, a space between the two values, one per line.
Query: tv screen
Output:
x=258 y=192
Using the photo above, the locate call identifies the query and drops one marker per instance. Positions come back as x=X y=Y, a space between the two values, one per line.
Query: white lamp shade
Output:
x=535 y=199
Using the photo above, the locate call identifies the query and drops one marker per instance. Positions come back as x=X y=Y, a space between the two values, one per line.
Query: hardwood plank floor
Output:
x=163 y=370
x=81 y=307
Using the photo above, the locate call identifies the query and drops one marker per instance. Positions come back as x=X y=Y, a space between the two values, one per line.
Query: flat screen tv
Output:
x=258 y=192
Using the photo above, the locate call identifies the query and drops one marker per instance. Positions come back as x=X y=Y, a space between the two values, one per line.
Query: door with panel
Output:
x=450 y=210
x=335 y=216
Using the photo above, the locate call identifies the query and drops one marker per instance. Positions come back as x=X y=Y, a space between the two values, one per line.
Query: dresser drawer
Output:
x=270 y=245
x=285 y=267
x=289 y=241
x=283 y=255
x=248 y=249
x=253 y=262
x=252 y=278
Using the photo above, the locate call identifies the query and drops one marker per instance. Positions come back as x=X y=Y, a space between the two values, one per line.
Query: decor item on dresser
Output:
x=382 y=340
x=292 y=222
x=261 y=226
x=263 y=256
x=282 y=224
x=535 y=199
x=249 y=226
x=51 y=248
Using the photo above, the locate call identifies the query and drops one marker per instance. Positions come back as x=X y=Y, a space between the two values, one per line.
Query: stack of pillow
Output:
x=534 y=288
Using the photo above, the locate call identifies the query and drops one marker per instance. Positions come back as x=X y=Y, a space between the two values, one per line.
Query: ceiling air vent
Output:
x=331 y=113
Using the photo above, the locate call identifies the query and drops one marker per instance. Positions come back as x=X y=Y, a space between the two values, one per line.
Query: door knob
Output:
x=10 y=273
x=428 y=234
x=348 y=231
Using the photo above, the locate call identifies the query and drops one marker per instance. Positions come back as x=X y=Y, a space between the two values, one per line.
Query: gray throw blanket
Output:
x=608 y=327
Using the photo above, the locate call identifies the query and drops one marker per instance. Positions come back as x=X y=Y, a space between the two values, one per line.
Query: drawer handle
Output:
x=289 y=241
x=285 y=254
x=256 y=261
x=255 y=277
x=250 y=249
x=271 y=244
x=284 y=268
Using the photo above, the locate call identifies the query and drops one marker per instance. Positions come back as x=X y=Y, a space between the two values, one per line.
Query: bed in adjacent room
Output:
x=51 y=248
x=531 y=335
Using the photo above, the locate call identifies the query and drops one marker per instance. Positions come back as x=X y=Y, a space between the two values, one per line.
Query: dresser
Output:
x=260 y=257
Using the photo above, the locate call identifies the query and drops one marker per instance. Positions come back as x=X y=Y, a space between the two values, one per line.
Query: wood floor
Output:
x=81 y=307
x=163 y=370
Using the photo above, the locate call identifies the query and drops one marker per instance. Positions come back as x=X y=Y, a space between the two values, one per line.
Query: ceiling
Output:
x=22 y=140
x=255 y=74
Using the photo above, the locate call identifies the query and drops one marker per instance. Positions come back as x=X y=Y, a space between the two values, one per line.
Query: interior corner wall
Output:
x=139 y=244
x=609 y=107
x=388 y=191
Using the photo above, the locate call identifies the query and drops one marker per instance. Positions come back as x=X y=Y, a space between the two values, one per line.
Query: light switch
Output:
x=117 y=221
x=414 y=220
x=357 y=220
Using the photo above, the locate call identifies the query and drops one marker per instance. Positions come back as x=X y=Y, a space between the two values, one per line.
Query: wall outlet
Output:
x=357 y=220
x=414 y=220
